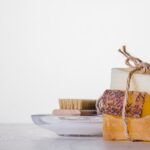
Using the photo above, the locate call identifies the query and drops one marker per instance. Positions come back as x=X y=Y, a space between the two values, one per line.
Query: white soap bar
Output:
x=139 y=82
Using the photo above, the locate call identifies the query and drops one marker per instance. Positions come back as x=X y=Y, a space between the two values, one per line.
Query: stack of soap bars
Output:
x=137 y=126
x=76 y=107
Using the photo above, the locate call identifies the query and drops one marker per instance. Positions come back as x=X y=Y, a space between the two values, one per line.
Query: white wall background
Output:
x=64 y=48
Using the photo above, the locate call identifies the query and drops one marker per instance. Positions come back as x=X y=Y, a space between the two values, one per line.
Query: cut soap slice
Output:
x=139 y=128
x=114 y=129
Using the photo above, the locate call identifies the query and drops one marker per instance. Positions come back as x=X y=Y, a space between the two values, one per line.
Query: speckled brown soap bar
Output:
x=111 y=103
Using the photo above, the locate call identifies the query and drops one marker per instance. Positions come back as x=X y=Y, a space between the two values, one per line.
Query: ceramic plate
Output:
x=70 y=125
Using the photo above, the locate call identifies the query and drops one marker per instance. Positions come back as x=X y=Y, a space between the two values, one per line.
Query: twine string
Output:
x=136 y=65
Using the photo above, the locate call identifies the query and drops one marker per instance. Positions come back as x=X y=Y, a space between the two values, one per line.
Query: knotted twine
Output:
x=136 y=65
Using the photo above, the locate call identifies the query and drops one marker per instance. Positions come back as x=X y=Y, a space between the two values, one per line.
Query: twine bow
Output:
x=136 y=65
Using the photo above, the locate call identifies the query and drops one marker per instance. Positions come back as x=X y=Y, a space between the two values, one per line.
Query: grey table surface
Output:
x=32 y=137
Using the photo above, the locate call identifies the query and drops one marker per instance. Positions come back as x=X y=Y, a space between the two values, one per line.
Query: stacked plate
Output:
x=70 y=125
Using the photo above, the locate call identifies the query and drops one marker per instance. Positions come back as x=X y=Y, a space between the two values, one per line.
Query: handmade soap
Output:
x=126 y=107
x=139 y=82
x=111 y=103
x=139 y=129
x=114 y=129
x=137 y=115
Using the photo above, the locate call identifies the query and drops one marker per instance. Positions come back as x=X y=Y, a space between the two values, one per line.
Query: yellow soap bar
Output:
x=114 y=128
x=139 y=128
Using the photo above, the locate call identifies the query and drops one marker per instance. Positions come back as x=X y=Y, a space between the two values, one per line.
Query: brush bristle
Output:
x=80 y=104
